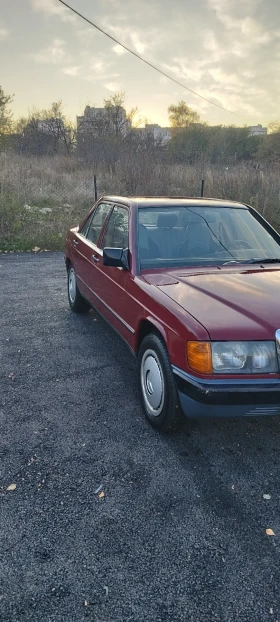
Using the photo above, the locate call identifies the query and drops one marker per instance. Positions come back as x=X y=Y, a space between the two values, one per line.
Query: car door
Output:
x=88 y=253
x=77 y=241
x=113 y=282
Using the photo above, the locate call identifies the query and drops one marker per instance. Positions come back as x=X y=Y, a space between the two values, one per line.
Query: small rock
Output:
x=269 y=532
x=45 y=210
x=11 y=487
x=267 y=496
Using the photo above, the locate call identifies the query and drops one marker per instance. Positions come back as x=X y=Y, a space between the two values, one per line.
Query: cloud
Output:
x=71 y=71
x=54 y=8
x=55 y=53
x=99 y=66
x=227 y=80
x=93 y=77
x=4 y=33
x=86 y=34
x=140 y=39
x=183 y=70
x=119 y=50
x=214 y=47
x=112 y=86
x=138 y=42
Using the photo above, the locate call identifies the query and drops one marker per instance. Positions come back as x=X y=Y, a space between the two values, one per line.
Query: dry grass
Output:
x=41 y=197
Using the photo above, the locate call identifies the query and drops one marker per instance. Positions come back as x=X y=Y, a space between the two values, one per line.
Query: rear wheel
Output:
x=158 y=389
x=76 y=301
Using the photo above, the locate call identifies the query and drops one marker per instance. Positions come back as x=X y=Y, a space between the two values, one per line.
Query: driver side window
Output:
x=116 y=232
x=98 y=220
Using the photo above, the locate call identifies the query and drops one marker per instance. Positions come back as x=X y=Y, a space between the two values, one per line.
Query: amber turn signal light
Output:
x=199 y=356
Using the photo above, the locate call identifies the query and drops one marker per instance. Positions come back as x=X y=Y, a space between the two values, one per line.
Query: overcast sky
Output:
x=227 y=50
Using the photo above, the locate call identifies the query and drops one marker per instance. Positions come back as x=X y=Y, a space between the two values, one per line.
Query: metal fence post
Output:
x=95 y=187
x=202 y=188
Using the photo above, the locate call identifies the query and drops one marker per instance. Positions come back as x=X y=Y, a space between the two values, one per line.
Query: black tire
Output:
x=168 y=414
x=76 y=301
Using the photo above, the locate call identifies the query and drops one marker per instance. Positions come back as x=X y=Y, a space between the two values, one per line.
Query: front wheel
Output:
x=158 y=390
x=76 y=301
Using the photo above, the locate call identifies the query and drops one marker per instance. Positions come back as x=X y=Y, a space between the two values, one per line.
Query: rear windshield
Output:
x=184 y=236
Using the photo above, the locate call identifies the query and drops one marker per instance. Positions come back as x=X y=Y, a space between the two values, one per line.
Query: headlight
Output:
x=241 y=357
x=233 y=357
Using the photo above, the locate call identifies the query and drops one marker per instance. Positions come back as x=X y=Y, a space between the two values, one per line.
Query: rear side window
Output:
x=98 y=220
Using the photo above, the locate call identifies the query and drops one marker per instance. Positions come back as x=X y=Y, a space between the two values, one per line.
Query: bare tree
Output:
x=47 y=132
x=6 y=117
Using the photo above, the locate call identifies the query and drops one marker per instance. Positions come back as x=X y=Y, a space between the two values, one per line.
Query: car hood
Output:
x=230 y=304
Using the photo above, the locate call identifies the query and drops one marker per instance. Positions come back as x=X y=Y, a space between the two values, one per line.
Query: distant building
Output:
x=94 y=118
x=159 y=134
x=257 y=130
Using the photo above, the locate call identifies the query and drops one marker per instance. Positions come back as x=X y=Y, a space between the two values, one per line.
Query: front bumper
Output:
x=227 y=398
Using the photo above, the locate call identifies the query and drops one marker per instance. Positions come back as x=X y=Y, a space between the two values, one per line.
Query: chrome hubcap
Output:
x=72 y=285
x=152 y=383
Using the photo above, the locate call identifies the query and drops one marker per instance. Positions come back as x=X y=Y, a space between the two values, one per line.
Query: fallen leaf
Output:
x=269 y=532
x=271 y=611
x=35 y=249
x=267 y=496
x=11 y=487
x=86 y=603
x=101 y=495
x=11 y=376
x=106 y=590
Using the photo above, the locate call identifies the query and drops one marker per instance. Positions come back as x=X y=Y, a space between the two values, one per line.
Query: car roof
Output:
x=168 y=202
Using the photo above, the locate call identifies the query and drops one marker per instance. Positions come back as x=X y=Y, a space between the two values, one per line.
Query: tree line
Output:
x=114 y=134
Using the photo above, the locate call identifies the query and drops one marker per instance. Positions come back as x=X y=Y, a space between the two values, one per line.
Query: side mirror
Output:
x=117 y=257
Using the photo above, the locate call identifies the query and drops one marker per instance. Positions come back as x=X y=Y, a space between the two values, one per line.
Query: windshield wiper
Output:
x=265 y=260
x=252 y=261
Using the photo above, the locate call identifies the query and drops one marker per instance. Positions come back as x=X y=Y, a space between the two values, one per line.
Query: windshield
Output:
x=186 y=236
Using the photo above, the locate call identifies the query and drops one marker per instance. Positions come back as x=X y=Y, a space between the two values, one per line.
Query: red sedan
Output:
x=193 y=287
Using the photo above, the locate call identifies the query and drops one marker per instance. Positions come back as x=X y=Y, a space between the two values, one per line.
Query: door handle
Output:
x=75 y=242
x=95 y=258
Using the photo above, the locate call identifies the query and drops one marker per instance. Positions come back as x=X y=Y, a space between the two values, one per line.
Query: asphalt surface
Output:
x=180 y=533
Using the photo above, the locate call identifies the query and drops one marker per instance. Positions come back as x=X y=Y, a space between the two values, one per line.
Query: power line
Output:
x=146 y=61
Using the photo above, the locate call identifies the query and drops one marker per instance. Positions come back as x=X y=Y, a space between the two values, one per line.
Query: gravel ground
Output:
x=180 y=532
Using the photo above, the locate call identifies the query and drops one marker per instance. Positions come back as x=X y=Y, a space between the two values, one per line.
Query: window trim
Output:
x=104 y=231
x=88 y=220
